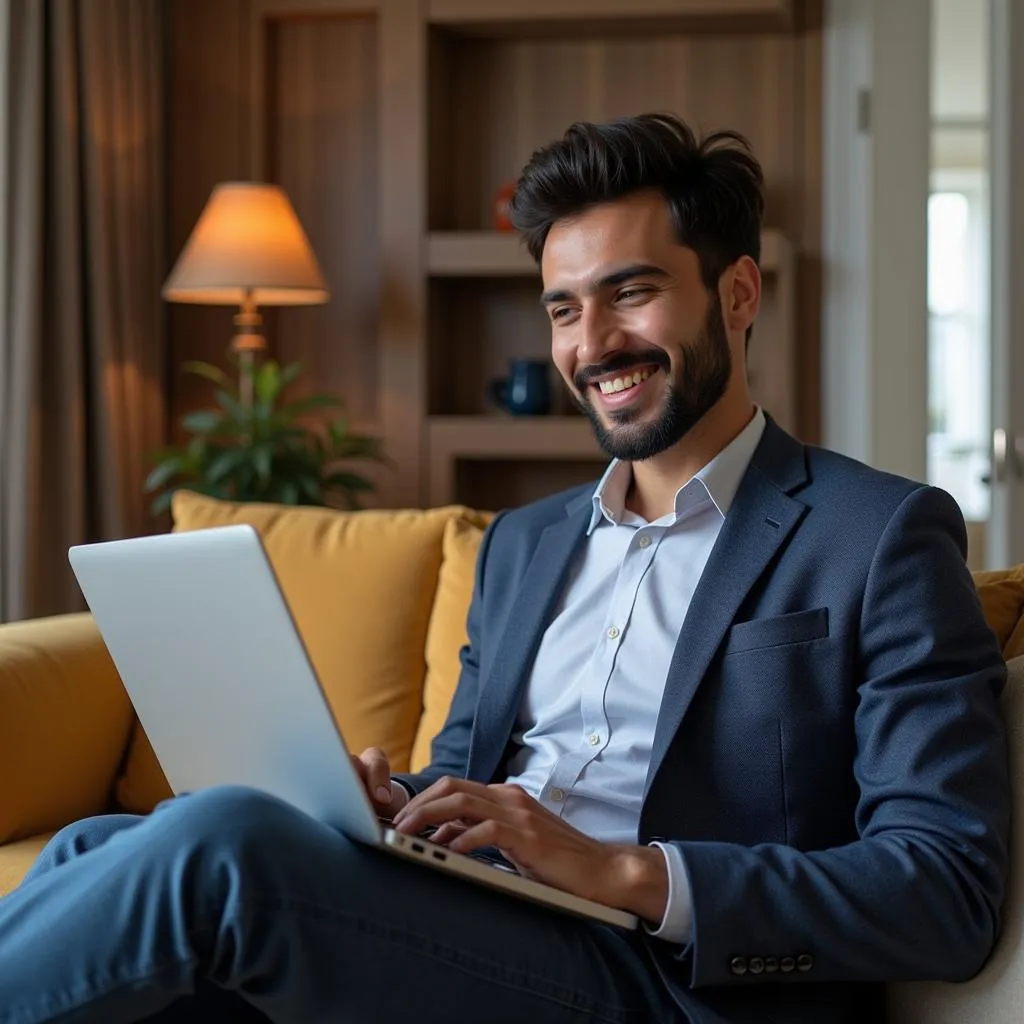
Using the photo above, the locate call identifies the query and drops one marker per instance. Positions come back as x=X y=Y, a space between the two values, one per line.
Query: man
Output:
x=743 y=688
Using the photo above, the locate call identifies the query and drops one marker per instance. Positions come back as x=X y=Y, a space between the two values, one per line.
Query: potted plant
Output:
x=261 y=450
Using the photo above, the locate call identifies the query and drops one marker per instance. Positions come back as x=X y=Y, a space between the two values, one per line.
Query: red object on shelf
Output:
x=502 y=199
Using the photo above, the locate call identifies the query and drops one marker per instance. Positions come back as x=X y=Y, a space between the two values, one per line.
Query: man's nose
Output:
x=599 y=337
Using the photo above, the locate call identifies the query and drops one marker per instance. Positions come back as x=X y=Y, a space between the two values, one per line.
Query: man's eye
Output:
x=560 y=313
x=632 y=293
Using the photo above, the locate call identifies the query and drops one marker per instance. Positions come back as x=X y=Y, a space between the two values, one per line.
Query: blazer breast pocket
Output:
x=794 y=628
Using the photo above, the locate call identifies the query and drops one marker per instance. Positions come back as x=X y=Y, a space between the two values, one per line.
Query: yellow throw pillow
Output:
x=447 y=632
x=1002 y=598
x=361 y=588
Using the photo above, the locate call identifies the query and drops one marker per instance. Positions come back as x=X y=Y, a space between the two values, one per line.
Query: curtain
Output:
x=82 y=258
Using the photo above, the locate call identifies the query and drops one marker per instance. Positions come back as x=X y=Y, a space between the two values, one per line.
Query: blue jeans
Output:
x=231 y=905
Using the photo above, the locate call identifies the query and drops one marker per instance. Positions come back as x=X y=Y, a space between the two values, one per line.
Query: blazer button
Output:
x=756 y=965
x=738 y=965
x=804 y=962
x=787 y=964
x=771 y=965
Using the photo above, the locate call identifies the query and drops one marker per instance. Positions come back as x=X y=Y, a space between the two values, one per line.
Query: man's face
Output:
x=635 y=335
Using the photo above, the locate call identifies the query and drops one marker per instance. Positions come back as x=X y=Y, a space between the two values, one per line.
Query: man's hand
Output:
x=542 y=846
x=387 y=797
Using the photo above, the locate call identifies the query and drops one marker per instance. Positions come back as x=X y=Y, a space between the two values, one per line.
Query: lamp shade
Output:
x=247 y=242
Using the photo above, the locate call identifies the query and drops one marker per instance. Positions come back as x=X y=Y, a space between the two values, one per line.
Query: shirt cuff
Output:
x=677 y=924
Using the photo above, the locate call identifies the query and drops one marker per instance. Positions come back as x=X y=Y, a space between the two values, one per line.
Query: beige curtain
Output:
x=82 y=257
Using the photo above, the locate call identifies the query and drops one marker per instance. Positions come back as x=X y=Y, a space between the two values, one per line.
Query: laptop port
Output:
x=438 y=855
x=417 y=847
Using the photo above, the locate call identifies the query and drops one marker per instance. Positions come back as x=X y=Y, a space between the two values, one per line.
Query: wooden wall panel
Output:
x=209 y=124
x=534 y=89
x=322 y=134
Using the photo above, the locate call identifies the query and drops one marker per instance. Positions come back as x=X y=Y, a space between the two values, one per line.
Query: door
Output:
x=975 y=446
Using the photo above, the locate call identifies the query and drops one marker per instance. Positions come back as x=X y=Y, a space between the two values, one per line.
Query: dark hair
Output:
x=713 y=186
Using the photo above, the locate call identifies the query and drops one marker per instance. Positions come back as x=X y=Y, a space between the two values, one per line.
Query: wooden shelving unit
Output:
x=478 y=254
x=395 y=124
x=502 y=254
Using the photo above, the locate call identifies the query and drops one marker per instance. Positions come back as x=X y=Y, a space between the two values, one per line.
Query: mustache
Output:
x=623 y=361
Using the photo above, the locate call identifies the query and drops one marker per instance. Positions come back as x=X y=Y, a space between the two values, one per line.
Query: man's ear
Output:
x=741 y=294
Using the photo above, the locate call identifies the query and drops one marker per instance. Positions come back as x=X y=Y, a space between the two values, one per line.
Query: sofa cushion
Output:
x=361 y=586
x=17 y=858
x=446 y=633
x=1002 y=598
x=994 y=995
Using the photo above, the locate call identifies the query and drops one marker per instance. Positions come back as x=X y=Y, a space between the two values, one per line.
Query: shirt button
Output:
x=756 y=965
x=771 y=965
x=593 y=739
x=644 y=541
x=613 y=633
x=738 y=965
x=804 y=962
x=787 y=964
x=557 y=795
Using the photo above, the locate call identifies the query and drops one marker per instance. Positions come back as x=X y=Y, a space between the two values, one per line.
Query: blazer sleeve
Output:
x=449 y=751
x=918 y=894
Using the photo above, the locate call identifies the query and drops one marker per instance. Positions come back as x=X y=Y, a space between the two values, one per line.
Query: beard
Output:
x=689 y=396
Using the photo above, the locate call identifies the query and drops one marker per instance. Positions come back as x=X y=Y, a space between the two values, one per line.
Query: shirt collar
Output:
x=719 y=480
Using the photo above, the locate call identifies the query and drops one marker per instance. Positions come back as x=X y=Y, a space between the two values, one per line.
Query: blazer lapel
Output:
x=760 y=519
x=534 y=605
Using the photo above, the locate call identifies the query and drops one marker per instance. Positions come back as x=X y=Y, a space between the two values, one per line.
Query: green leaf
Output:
x=209 y=371
x=225 y=463
x=162 y=503
x=349 y=482
x=205 y=421
x=310 y=404
x=263 y=461
x=290 y=373
x=289 y=493
x=311 y=489
x=232 y=406
x=268 y=382
x=163 y=473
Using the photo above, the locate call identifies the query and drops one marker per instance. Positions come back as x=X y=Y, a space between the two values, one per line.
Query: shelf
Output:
x=478 y=254
x=502 y=254
x=512 y=437
x=534 y=17
x=514 y=459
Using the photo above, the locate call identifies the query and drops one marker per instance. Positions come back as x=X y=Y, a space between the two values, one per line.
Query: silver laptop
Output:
x=211 y=658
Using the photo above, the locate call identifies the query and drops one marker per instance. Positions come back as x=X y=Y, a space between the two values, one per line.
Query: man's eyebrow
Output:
x=617 y=277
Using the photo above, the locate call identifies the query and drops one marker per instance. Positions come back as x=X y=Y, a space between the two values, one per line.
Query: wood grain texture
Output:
x=323 y=149
x=209 y=119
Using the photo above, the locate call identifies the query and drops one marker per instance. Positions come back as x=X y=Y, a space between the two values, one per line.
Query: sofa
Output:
x=380 y=598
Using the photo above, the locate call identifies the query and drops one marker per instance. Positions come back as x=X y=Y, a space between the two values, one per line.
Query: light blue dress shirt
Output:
x=586 y=721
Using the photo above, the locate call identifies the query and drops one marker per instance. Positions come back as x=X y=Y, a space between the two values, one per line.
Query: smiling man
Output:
x=740 y=686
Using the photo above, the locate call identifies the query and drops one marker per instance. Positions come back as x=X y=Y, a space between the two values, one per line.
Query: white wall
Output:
x=877 y=63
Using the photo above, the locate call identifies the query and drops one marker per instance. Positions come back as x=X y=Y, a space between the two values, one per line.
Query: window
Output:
x=958 y=347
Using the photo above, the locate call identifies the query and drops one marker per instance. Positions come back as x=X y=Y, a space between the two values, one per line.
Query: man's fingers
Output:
x=378 y=774
x=447 y=832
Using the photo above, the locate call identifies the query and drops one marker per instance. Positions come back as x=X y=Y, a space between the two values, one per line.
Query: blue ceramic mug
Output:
x=527 y=389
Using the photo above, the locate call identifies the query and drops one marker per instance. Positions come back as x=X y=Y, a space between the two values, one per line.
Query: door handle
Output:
x=1006 y=458
x=1000 y=450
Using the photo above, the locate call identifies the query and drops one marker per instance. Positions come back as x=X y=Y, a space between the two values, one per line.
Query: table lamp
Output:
x=247 y=249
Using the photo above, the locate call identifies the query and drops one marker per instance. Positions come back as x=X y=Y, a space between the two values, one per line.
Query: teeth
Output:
x=609 y=387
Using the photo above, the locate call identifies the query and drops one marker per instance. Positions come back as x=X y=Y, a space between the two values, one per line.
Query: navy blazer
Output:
x=829 y=757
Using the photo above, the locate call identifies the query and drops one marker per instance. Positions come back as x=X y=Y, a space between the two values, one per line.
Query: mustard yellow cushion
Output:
x=447 y=632
x=361 y=587
x=17 y=858
x=64 y=724
x=1002 y=598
